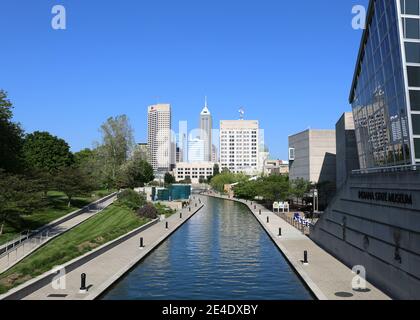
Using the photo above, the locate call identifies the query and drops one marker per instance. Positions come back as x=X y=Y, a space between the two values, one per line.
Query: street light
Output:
x=316 y=200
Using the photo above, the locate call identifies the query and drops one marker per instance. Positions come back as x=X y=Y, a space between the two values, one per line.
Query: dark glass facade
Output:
x=379 y=95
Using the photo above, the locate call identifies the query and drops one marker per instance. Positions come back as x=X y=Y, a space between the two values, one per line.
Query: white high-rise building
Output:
x=159 y=137
x=206 y=126
x=239 y=146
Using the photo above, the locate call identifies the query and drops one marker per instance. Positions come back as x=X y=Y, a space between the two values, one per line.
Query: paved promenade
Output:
x=103 y=270
x=328 y=278
x=27 y=247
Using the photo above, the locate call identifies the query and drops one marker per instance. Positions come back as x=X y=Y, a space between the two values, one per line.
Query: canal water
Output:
x=221 y=253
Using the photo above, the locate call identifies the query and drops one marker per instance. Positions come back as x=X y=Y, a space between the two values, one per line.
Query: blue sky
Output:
x=288 y=63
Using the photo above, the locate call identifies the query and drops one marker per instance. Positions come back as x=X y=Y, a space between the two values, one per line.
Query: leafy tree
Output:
x=274 y=188
x=11 y=137
x=72 y=182
x=135 y=173
x=18 y=196
x=246 y=190
x=116 y=147
x=216 y=169
x=43 y=151
x=299 y=188
x=88 y=162
x=148 y=211
x=131 y=199
x=169 y=179
x=218 y=182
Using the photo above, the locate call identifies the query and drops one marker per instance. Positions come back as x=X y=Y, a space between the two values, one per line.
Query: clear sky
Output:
x=288 y=63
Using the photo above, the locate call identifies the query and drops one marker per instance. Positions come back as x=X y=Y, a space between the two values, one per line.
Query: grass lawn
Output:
x=110 y=224
x=56 y=208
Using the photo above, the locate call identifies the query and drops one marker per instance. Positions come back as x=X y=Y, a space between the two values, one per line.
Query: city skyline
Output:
x=94 y=70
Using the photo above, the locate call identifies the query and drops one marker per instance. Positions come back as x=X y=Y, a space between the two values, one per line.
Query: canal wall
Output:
x=325 y=276
x=374 y=222
x=104 y=265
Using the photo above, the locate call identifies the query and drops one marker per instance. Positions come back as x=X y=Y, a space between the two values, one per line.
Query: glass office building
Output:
x=385 y=94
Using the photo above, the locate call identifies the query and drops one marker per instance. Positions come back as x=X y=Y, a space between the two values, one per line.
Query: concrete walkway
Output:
x=27 y=247
x=106 y=268
x=328 y=278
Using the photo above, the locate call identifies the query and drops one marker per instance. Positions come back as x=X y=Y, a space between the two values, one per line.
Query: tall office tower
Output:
x=183 y=141
x=206 y=126
x=385 y=94
x=214 y=157
x=239 y=146
x=159 y=137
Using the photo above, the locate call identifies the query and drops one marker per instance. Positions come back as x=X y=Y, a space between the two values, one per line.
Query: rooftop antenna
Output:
x=205 y=102
x=241 y=113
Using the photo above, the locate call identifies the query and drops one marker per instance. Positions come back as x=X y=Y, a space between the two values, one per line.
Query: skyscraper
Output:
x=159 y=137
x=239 y=146
x=206 y=126
x=385 y=94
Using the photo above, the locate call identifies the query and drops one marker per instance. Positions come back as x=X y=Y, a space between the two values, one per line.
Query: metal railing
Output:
x=405 y=168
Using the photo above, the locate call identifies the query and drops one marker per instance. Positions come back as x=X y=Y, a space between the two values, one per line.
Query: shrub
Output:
x=131 y=199
x=148 y=211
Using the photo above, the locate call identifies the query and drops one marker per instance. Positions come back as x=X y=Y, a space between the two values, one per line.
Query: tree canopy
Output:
x=43 y=151
x=136 y=172
x=11 y=137
x=116 y=147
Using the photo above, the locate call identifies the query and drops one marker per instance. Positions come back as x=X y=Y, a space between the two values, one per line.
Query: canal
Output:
x=221 y=253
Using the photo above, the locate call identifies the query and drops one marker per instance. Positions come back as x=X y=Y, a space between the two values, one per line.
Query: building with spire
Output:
x=206 y=127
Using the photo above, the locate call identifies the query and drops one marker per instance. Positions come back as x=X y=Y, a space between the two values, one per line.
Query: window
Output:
x=410 y=7
x=416 y=124
x=412 y=28
x=413 y=76
x=417 y=148
x=291 y=154
x=415 y=100
x=412 y=51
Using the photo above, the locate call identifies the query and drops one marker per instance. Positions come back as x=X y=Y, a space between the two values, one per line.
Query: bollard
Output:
x=268 y=219
x=305 y=257
x=167 y=225
x=255 y=207
x=260 y=212
x=196 y=205
x=279 y=232
x=180 y=215
x=83 y=282
x=141 y=243
x=189 y=209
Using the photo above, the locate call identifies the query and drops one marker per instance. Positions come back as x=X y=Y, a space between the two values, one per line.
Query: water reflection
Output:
x=221 y=253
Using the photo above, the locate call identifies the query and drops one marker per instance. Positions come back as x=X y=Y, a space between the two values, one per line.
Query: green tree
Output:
x=116 y=147
x=11 y=137
x=216 y=170
x=18 y=196
x=246 y=190
x=299 y=187
x=274 y=188
x=43 y=151
x=136 y=172
x=218 y=182
x=72 y=182
x=169 y=179
x=88 y=163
